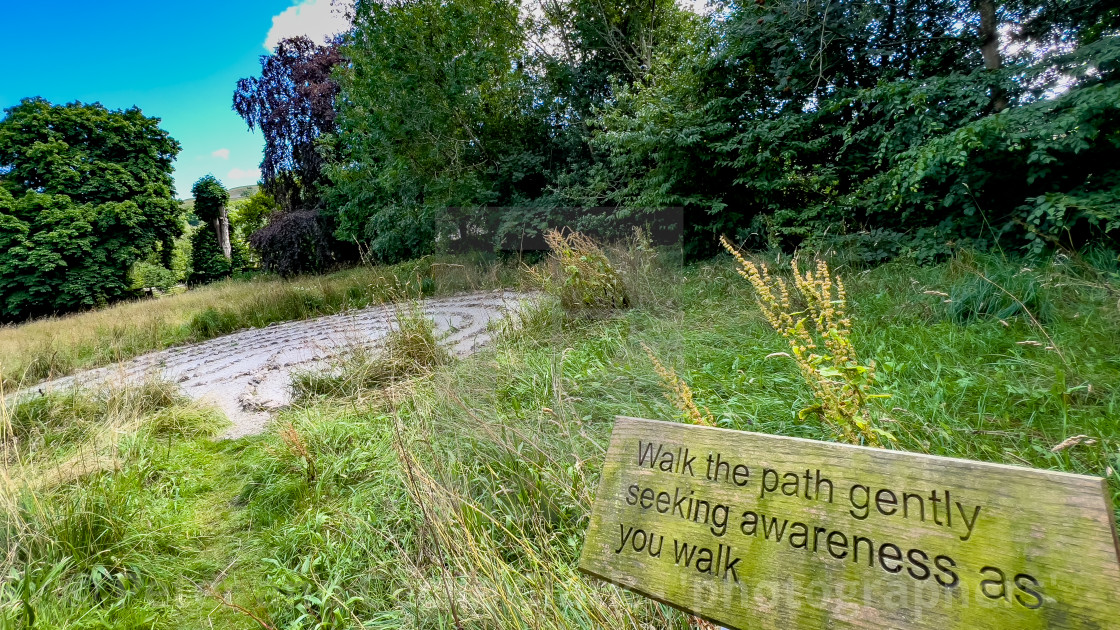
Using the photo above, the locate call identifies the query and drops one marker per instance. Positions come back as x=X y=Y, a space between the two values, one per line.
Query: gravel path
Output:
x=247 y=374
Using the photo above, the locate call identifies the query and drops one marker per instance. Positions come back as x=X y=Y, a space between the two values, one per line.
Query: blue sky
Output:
x=176 y=61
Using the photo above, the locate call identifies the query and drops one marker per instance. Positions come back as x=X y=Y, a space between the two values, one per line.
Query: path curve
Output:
x=247 y=374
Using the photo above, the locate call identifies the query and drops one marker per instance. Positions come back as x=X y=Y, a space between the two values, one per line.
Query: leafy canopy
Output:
x=210 y=196
x=293 y=104
x=85 y=192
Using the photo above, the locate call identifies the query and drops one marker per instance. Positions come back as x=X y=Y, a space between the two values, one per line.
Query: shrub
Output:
x=146 y=275
x=579 y=273
x=293 y=243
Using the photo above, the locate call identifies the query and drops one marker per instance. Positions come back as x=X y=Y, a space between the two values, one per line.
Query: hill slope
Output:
x=235 y=193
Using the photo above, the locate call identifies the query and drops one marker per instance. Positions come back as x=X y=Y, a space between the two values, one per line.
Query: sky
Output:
x=178 y=62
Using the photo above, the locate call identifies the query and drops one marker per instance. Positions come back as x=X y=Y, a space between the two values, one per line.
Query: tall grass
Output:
x=91 y=534
x=459 y=499
x=57 y=346
x=410 y=348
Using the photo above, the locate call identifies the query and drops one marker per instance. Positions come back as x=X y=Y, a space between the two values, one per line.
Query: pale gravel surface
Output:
x=247 y=374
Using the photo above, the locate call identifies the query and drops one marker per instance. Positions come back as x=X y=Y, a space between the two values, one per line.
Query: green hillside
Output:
x=238 y=192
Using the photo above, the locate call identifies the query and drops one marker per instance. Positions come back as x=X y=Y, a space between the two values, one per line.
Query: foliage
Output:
x=210 y=198
x=789 y=121
x=85 y=193
x=927 y=125
x=146 y=275
x=841 y=384
x=249 y=215
x=431 y=120
x=293 y=243
x=208 y=263
x=580 y=274
x=293 y=104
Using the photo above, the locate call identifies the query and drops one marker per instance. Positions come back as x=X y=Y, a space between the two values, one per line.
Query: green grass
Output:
x=459 y=498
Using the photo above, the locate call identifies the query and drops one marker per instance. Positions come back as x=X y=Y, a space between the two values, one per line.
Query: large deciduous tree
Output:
x=927 y=123
x=438 y=113
x=85 y=192
x=292 y=102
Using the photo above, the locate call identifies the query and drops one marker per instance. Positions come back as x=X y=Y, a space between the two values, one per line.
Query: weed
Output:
x=840 y=383
x=646 y=270
x=580 y=275
x=410 y=348
x=679 y=393
x=297 y=447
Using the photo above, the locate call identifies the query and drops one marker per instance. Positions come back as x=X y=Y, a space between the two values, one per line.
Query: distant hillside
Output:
x=240 y=192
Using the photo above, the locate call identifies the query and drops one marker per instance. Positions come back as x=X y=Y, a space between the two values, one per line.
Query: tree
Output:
x=210 y=201
x=437 y=112
x=294 y=242
x=792 y=119
x=249 y=215
x=85 y=193
x=293 y=104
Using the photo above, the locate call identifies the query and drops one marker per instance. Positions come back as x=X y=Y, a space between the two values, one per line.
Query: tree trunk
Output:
x=221 y=228
x=989 y=46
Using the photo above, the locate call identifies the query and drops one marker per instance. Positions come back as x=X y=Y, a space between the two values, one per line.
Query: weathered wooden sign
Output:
x=760 y=531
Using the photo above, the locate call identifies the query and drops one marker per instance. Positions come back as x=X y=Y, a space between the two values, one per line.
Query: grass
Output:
x=410 y=348
x=57 y=346
x=458 y=498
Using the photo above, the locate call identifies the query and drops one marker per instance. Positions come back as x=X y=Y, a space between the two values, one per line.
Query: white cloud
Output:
x=222 y=154
x=317 y=19
x=242 y=176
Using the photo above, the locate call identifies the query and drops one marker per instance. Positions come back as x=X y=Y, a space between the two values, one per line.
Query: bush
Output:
x=580 y=274
x=293 y=243
x=145 y=275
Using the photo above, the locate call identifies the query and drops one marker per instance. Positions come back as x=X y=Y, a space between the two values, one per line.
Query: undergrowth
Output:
x=579 y=274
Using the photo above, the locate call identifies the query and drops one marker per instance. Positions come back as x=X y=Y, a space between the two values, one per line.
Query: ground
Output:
x=459 y=497
x=248 y=374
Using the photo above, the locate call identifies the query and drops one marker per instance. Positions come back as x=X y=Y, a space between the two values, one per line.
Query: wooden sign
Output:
x=760 y=531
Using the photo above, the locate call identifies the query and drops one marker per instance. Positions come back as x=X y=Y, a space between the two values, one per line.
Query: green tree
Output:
x=432 y=116
x=783 y=121
x=249 y=215
x=210 y=205
x=85 y=193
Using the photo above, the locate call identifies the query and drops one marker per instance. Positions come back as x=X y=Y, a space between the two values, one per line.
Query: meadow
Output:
x=453 y=493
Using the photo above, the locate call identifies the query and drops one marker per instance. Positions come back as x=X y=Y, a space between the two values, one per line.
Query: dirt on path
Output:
x=247 y=374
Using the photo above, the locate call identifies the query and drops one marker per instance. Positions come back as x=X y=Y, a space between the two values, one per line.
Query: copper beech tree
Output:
x=292 y=103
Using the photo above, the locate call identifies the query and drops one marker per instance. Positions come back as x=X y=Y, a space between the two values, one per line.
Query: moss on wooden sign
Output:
x=760 y=531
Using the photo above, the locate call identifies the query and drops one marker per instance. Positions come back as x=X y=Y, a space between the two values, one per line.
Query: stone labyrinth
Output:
x=247 y=374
